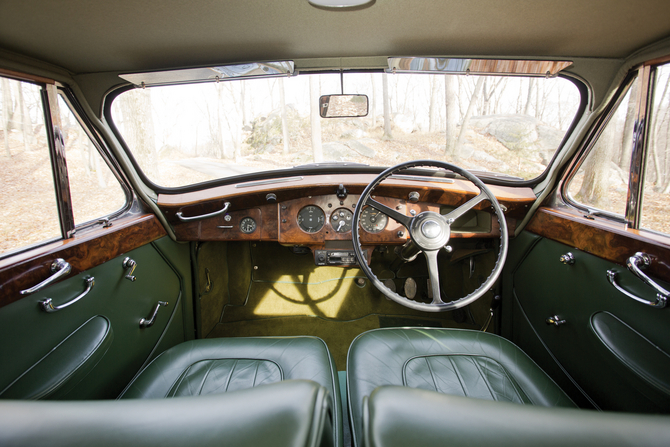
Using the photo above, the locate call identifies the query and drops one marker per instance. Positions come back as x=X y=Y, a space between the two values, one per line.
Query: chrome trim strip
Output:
x=420 y=178
x=269 y=182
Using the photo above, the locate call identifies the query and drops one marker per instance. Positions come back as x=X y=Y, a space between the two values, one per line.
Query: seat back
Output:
x=291 y=414
x=401 y=416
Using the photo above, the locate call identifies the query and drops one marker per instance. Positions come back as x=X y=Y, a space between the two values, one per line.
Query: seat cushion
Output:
x=450 y=361
x=221 y=365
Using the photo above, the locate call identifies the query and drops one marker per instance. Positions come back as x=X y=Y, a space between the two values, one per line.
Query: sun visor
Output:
x=211 y=74
x=476 y=66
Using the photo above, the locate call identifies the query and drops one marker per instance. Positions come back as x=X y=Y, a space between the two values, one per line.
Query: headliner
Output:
x=87 y=36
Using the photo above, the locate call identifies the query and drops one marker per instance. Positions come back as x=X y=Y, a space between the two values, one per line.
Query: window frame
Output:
x=632 y=219
x=50 y=90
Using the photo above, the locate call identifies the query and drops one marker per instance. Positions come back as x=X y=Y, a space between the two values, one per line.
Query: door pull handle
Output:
x=148 y=322
x=47 y=304
x=60 y=268
x=635 y=264
x=183 y=218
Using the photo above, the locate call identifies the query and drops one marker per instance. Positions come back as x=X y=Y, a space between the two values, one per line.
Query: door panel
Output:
x=610 y=346
x=89 y=369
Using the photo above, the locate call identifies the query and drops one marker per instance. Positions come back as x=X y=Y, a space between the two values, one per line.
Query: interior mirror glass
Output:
x=343 y=106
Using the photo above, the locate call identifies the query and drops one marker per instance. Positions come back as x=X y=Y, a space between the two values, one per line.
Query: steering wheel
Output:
x=430 y=232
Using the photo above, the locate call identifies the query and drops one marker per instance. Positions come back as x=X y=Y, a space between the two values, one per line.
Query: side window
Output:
x=30 y=212
x=601 y=182
x=656 y=190
x=94 y=189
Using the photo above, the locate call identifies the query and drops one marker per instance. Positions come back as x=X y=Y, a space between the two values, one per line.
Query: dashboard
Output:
x=317 y=211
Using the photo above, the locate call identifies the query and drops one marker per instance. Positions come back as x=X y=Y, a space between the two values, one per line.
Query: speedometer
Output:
x=372 y=220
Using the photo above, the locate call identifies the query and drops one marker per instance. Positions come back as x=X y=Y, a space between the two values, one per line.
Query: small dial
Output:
x=341 y=220
x=372 y=220
x=247 y=225
x=311 y=219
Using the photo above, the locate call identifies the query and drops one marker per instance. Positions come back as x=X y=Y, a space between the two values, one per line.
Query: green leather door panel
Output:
x=28 y=334
x=609 y=345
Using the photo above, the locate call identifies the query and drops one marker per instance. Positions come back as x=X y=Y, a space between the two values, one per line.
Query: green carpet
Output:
x=286 y=294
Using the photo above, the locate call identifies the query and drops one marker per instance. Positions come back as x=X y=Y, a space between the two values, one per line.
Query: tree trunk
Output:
x=595 y=184
x=526 y=109
x=315 y=119
x=452 y=114
x=26 y=125
x=627 y=137
x=432 y=110
x=6 y=106
x=284 y=119
x=373 y=107
x=387 y=108
x=468 y=114
x=140 y=129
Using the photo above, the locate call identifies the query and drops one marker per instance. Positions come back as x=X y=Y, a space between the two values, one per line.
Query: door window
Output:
x=656 y=190
x=28 y=197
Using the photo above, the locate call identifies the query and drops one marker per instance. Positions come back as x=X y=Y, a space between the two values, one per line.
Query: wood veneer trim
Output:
x=82 y=252
x=607 y=240
x=358 y=181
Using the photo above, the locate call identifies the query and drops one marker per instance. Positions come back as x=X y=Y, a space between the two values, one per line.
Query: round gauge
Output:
x=341 y=220
x=372 y=220
x=247 y=225
x=311 y=219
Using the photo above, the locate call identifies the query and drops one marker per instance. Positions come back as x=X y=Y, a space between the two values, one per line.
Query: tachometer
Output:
x=372 y=220
x=311 y=219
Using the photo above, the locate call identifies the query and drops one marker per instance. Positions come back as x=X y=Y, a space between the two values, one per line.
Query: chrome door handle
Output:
x=203 y=216
x=60 y=268
x=635 y=264
x=148 y=322
x=47 y=304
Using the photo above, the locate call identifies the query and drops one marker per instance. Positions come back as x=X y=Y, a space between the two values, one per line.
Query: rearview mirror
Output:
x=343 y=106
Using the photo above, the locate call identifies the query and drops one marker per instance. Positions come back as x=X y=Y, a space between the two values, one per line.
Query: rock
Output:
x=521 y=133
x=361 y=148
x=483 y=156
x=337 y=152
x=466 y=151
x=354 y=133
x=404 y=123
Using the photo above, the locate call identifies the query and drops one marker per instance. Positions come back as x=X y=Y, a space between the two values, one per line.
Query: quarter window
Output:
x=601 y=182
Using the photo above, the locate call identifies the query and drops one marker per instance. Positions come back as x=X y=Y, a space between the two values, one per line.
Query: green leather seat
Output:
x=449 y=361
x=221 y=365
x=294 y=413
x=401 y=416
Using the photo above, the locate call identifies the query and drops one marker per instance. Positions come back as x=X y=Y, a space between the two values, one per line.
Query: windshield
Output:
x=185 y=134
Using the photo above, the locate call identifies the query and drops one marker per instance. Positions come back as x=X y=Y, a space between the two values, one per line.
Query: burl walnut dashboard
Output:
x=314 y=210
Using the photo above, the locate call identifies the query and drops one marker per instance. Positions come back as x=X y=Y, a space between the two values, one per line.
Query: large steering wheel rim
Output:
x=430 y=231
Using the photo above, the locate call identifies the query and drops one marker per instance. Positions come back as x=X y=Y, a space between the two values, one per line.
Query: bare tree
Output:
x=468 y=114
x=387 y=108
x=373 y=107
x=432 y=110
x=531 y=83
x=6 y=112
x=596 y=170
x=139 y=125
x=452 y=113
x=315 y=118
x=284 y=120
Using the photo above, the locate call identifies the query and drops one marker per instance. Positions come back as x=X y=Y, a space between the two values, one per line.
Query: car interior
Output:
x=335 y=223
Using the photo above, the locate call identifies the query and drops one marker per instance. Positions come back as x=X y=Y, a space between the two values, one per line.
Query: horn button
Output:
x=430 y=231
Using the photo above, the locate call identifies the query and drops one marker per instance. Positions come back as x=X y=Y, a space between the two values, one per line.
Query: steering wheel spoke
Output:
x=434 y=275
x=390 y=212
x=430 y=231
x=467 y=206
